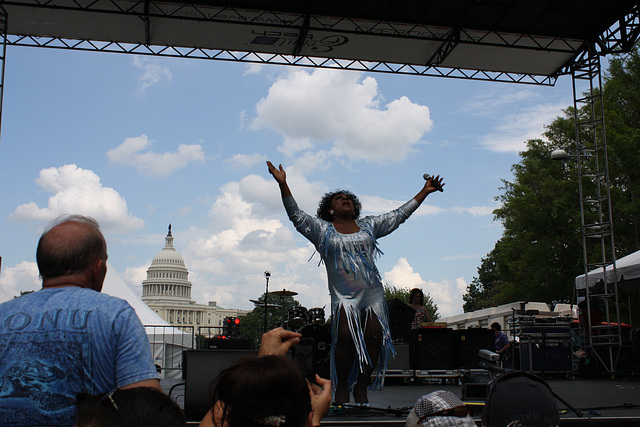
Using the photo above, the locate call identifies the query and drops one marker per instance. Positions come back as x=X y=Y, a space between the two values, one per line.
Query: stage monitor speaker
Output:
x=401 y=361
x=546 y=356
x=432 y=349
x=400 y=319
x=469 y=342
x=199 y=369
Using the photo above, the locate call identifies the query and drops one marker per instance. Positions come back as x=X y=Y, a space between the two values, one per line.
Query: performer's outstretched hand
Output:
x=434 y=184
x=278 y=173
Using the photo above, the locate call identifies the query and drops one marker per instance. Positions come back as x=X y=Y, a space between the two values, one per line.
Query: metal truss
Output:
x=620 y=38
x=3 y=52
x=278 y=59
x=595 y=209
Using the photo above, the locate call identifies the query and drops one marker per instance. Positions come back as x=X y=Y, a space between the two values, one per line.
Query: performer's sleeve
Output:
x=308 y=226
x=386 y=223
x=134 y=361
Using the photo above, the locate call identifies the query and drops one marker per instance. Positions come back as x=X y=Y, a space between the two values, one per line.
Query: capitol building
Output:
x=167 y=291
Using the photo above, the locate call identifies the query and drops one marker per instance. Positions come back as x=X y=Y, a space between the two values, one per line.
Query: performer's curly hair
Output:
x=325 y=205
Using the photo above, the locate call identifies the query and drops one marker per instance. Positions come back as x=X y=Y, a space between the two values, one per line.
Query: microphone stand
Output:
x=267 y=274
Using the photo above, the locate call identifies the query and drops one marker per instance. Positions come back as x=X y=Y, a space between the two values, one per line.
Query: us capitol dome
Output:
x=167 y=291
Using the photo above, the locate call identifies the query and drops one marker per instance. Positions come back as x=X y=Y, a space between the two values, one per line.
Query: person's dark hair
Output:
x=139 y=406
x=59 y=257
x=415 y=291
x=496 y=326
x=259 y=391
x=325 y=205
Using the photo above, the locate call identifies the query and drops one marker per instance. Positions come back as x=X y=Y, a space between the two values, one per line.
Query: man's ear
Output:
x=98 y=273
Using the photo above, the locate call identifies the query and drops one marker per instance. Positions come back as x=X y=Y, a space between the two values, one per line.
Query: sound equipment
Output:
x=400 y=319
x=401 y=361
x=469 y=342
x=199 y=369
x=545 y=344
x=432 y=349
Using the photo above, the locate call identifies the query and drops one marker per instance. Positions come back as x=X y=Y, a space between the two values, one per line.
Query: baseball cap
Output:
x=439 y=409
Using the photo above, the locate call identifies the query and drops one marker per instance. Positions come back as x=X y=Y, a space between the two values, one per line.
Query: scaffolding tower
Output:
x=605 y=339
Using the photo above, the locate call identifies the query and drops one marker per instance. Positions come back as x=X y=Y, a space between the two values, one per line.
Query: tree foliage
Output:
x=402 y=294
x=540 y=251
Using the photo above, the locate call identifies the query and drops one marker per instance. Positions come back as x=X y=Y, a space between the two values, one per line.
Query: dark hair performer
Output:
x=348 y=246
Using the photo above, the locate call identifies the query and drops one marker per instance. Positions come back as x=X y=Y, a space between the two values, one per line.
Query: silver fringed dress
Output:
x=354 y=281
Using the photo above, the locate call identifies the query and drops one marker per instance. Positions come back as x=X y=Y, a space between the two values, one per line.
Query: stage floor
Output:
x=616 y=399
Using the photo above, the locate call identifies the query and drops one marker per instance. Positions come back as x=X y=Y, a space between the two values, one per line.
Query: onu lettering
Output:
x=49 y=320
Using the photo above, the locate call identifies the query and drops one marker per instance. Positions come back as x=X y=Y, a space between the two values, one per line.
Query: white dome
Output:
x=168 y=256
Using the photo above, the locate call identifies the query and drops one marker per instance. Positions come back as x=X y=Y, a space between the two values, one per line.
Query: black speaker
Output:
x=401 y=361
x=400 y=319
x=432 y=349
x=468 y=342
x=199 y=369
x=546 y=356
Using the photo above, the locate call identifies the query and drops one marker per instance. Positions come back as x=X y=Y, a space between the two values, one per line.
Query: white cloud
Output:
x=245 y=160
x=515 y=129
x=79 y=191
x=446 y=294
x=378 y=205
x=475 y=210
x=521 y=115
x=132 y=153
x=22 y=277
x=152 y=73
x=133 y=277
x=245 y=237
x=344 y=109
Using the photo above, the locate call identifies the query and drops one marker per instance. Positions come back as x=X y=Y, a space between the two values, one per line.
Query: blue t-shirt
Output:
x=501 y=341
x=56 y=343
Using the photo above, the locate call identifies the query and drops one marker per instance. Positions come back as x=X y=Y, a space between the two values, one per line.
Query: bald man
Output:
x=68 y=338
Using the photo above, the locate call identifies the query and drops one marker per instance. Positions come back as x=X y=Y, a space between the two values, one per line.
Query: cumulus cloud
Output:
x=247 y=236
x=345 y=110
x=475 y=210
x=447 y=294
x=521 y=115
x=20 y=278
x=133 y=152
x=152 y=73
x=78 y=191
x=245 y=160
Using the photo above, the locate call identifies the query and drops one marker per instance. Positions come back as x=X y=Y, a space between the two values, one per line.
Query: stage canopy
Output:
x=627 y=270
x=508 y=40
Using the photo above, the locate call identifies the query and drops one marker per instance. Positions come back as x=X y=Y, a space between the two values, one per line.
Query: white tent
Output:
x=627 y=270
x=166 y=341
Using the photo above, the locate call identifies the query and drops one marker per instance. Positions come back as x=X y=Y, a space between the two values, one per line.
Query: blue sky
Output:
x=141 y=142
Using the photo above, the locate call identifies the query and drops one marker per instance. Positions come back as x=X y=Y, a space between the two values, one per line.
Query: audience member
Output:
x=520 y=399
x=440 y=409
x=135 y=407
x=68 y=338
x=266 y=391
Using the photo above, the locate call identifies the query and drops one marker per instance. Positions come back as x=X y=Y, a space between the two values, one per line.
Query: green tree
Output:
x=540 y=252
x=392 y=292
x=251 y=325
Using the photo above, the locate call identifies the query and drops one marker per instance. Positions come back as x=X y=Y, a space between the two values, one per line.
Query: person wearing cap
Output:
x=520 y=399
x=440 y=409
